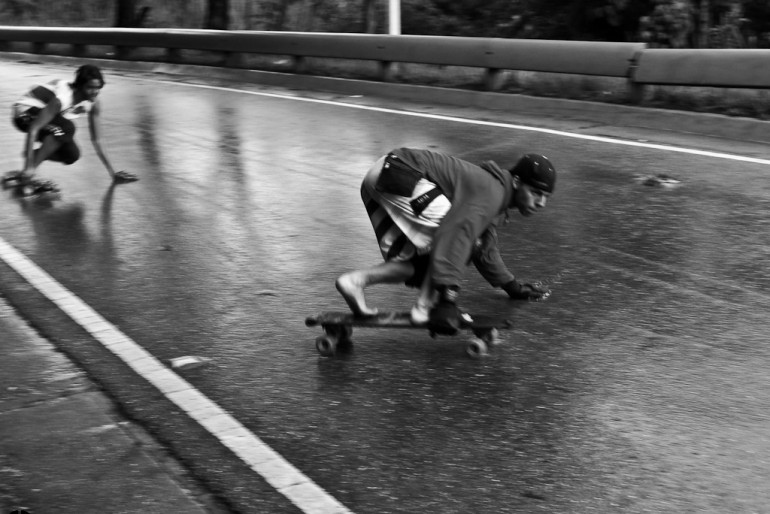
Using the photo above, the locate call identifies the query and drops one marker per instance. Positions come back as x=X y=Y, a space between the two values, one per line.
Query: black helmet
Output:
x=537 y=171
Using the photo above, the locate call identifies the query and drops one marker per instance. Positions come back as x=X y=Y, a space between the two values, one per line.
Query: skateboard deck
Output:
x=338 y=329
x=31 y=188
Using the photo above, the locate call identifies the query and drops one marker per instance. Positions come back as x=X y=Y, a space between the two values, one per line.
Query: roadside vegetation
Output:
x=659 y=23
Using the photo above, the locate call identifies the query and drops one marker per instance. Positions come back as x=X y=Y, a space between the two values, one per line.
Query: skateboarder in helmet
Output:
x=432 y=213
x=45 y=114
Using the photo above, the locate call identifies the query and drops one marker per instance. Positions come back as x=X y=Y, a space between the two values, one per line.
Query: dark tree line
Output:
x=666 y=23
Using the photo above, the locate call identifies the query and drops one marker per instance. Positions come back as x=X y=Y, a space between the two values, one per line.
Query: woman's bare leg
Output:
x=39 y=155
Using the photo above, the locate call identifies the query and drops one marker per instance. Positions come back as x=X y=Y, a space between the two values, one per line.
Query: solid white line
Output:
x=276 y=470
x=455 y=119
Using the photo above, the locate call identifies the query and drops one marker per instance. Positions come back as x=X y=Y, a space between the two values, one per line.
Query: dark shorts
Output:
x=394 y=245
x=60 y=128
x=420 y=263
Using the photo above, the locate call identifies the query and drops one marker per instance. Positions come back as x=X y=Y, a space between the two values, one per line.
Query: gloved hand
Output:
x=445 y=317
x=519 y=291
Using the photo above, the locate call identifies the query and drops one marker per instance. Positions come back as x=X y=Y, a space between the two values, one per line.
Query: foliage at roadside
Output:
x=663 y=23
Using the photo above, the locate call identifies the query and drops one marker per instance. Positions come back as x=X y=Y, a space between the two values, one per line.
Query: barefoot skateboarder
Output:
x=433 y=213
x=45 y=114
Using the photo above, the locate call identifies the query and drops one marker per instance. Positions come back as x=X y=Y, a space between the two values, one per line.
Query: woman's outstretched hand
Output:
x=121 y=177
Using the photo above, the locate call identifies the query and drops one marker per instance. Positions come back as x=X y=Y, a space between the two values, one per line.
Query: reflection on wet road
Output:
x=639 y=386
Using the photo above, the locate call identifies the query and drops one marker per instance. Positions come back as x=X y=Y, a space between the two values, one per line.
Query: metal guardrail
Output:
x=712 y=68
x=633 y=61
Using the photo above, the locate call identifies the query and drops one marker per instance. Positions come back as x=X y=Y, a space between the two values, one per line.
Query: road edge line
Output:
x=269 y=464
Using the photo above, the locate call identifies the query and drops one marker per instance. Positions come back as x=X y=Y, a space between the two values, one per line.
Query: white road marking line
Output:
x=277 y=471
x=441 y=117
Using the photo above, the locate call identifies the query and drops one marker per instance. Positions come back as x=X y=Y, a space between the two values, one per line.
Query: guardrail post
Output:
x=173 y=55
x=38 y=47
x=494 y=79
x=299 y=64
x=388 y=71
x=123 y=52
x=78 y=50
x=635 y=89
x=233 y=60
x=636 y=92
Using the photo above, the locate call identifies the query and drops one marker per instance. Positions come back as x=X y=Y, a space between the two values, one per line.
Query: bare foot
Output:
x=352 y=290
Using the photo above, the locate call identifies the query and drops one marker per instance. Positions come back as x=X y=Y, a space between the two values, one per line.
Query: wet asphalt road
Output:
x=639 y=386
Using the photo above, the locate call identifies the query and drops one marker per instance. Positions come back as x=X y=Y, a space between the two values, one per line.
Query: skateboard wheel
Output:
x=477 y=349
x=492 y=338
x=326 y=346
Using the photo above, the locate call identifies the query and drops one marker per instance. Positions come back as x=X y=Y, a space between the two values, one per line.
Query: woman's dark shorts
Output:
x=62 y=129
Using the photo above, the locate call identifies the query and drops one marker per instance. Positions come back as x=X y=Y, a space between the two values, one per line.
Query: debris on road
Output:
x=661 y=179
x=188 y=362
